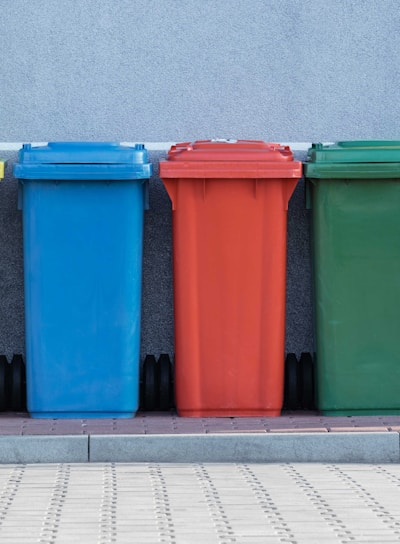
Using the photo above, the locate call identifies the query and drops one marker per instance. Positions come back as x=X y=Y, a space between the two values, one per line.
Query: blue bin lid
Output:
x=83 y=161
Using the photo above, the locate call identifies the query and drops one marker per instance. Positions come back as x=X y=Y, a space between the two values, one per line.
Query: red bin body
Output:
x=229 y=203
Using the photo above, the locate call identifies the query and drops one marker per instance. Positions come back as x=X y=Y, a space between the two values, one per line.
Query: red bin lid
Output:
x=230 y=159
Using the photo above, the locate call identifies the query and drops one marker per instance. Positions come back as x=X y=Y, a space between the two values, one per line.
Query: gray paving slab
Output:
x=295 y=447
x=276 y=502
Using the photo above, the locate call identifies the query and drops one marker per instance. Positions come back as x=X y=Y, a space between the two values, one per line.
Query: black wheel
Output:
x=307 y=381
x=164 y=382
x=4 y=381
x=149 y=383
x=17 y=385
x=291 y=401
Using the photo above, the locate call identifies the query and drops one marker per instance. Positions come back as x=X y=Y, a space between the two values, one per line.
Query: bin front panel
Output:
x=356 y=233
x=82 y=259
x=229 y=278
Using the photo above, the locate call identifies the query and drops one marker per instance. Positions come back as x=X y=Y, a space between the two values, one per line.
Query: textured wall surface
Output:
x=156 y=71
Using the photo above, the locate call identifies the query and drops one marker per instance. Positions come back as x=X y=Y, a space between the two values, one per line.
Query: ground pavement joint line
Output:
x=393 y=478
x=9 y=492
x=342 y=533
x=383 y=515
x=164 y=518
x=53 y=515
x=223 y=527
x=108 y=513
x=267 y=504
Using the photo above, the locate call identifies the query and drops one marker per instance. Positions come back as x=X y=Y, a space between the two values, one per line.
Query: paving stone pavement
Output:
x=165 y=437
x=104 y=503
x=143 y=423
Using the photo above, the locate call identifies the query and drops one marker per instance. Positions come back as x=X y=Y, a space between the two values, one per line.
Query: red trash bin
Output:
x=229 y=201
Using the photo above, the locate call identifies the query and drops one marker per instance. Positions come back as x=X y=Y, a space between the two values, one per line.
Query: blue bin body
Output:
x=83 y=207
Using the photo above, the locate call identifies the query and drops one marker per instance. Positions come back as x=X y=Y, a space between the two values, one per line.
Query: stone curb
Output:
x=44 y=449
x=362 y=447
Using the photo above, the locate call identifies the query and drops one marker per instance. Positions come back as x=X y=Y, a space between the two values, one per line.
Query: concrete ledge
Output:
x=150 y=146
x=362 y=447
x=352 y=447
x=44 y=449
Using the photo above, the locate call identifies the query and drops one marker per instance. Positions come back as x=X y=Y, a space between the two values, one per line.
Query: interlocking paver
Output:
x=199 y=503
x=170 y=423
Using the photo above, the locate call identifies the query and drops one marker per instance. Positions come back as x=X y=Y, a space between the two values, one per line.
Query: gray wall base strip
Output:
x=363 y=447
x=44 y=449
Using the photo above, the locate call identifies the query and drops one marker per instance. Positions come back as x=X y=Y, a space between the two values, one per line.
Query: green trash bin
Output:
x=353 y=189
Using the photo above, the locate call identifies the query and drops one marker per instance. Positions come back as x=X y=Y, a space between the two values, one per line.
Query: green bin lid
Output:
x=354 y=160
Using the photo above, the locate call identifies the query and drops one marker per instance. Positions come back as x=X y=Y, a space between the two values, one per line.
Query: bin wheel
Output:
x=4 y=366
x=291 y=382
x=17 y=385
x=164 y=382
x=307 y=381
x=149 y=383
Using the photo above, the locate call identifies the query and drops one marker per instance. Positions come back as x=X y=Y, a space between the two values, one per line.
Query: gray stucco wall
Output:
x=158 y=70
x=162 y=71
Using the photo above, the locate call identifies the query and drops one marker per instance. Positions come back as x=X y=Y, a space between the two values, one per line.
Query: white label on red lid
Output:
x=224 y=140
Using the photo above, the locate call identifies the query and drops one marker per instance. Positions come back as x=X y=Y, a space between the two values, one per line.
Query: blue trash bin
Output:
x=83 y=205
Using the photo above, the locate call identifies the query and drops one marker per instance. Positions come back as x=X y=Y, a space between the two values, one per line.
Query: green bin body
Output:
x=354 y=193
